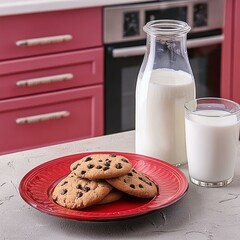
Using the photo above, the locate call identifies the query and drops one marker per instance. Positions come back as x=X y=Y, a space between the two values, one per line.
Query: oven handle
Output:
x=192 y=43
x=206 y=41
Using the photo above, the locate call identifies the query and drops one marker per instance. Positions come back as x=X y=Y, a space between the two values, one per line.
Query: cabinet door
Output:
x=230 y=84
x=51 y=73
x=50 y=32
x=236 y=53
x=45 y=119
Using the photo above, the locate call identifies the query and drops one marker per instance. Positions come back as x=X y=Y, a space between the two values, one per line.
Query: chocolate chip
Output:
x=79 y=186
x=107 y=164
x=130 y=174
x=86 y=189
x=118 y=166
x=100 y=160
x=105 y=168
x=65 y=182
x=83 y=172
x=98 y=167
x=132 y=186
x=88 y=159
x=124 y=160
x=125 y=180
x=79 y=194
x=134 y=171
x=76 y=166
x=64 y=191
x=89 y=166
x=112 y=155
x=140 y=186
x=149 y=183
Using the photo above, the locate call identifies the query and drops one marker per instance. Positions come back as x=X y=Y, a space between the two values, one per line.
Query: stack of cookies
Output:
x=100 y=179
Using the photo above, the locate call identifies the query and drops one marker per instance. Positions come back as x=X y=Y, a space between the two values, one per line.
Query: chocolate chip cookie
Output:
x=135 y=183
x=76 y=193
x=113 y=196
x=101 y=166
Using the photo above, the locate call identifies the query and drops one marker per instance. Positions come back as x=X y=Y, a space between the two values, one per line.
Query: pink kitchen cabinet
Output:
x=50 y=73
x=230 y=85
x=51 y=118
x=51 y=78
x=50 y=32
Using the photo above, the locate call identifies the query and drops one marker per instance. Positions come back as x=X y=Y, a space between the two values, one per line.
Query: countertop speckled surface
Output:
x=203 y=213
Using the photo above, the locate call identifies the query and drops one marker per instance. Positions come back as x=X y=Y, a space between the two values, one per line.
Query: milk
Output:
x=160 y=127
x=212 y=145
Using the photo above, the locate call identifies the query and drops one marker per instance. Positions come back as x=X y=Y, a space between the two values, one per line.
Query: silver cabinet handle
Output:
x=44 y=80
x=44 y=40
x=42 y=117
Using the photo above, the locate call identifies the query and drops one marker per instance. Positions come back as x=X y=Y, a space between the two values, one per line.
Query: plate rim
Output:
x=32 y=203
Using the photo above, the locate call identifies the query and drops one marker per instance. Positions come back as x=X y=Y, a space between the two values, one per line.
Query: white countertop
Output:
x=12 y=7
x=203 y=213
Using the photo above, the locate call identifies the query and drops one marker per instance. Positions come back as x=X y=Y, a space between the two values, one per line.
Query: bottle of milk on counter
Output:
x=165 y=82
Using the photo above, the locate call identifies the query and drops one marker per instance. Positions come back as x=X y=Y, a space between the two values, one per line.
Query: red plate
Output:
x=37 y=185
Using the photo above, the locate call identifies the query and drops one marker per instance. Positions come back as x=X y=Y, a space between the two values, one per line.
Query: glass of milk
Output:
x=212 y=140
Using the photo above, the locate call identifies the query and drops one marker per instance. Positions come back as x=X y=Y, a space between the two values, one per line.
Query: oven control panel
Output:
x=125 y=22
x=176 y=13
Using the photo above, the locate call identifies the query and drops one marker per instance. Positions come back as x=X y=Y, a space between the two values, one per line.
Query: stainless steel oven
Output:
x=124 y=42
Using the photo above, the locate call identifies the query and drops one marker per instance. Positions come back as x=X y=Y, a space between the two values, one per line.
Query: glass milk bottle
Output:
x=165 y=82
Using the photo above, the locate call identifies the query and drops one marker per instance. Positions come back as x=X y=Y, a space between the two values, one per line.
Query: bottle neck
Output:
x=166 y=45
x=167 y=52
x=172 y=45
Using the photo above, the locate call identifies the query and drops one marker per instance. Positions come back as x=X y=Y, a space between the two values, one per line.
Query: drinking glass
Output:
x=212 y=140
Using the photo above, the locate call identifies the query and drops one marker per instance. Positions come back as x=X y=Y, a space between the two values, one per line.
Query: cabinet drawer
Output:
x=50 y=32
x=51 y=118
x=50 y=73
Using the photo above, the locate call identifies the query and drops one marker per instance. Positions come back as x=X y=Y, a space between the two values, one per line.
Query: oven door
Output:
x=122 y=64
x=205 y=59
